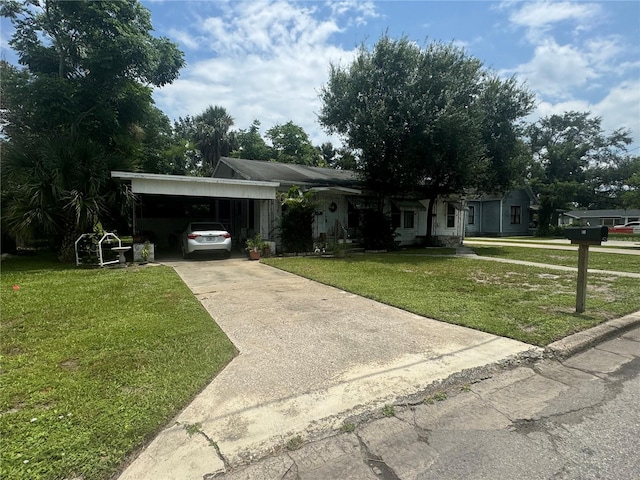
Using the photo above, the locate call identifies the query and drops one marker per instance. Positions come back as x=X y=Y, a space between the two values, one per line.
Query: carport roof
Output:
x=152 y=183
x=288 y=173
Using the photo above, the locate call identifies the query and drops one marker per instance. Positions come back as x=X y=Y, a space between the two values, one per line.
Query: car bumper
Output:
x=193 y=246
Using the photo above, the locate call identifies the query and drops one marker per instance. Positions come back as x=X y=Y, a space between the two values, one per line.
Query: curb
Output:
x=581 y=341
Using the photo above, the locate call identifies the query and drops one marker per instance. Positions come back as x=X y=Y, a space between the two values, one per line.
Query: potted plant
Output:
x=255 y=246
x=143 y=252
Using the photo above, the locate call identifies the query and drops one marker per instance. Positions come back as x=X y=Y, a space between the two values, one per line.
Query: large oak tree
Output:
x=427 y=121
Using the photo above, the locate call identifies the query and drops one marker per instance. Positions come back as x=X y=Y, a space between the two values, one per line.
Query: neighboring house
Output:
x=608 y=218
x=242 y=195
x=501 y=215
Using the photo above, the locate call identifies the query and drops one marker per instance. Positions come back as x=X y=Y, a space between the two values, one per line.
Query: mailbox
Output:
x=587 y=235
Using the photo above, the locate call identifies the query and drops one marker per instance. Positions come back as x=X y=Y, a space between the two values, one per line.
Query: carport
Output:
x=165 y=203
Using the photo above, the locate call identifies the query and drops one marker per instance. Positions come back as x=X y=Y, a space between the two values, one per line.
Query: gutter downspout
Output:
x=501 y=214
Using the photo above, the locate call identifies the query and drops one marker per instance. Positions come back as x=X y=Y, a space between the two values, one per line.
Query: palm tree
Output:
x=59 y=188
x=211 y=134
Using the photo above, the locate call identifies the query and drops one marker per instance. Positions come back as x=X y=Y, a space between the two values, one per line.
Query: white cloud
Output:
x=362 y=10
x=614 y=109
x=540 y=17
x=185 y=39
x=621 y=108
x=601 y=53
x=263 y=63
x=583 y=65
x=557 y=69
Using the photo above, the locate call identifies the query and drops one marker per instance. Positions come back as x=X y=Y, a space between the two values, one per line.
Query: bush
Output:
x=550 y=231
x=377 y=232
x=296 y=223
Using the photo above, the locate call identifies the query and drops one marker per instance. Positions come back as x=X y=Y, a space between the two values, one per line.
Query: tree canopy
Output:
x=577 y=165
x=81 y=103
x=251 y=145
x=291 y=144
x=429 y=121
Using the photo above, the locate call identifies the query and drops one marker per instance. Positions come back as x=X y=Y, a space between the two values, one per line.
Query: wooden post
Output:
x=581 y=293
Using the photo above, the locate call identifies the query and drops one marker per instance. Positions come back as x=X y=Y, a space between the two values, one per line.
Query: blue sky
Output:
x=267 y=60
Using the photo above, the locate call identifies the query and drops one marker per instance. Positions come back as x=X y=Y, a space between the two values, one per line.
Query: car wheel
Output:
x=185 y=255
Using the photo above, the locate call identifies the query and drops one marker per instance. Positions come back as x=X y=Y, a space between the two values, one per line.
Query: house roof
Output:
x=619 y=213
x=474 y=196
x=289 y=174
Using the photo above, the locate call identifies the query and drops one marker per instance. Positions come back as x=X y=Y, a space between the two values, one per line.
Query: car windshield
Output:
x=206 y=226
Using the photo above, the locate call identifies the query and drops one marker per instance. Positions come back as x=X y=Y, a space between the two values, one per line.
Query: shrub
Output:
x=377 y=232
x=296 y=223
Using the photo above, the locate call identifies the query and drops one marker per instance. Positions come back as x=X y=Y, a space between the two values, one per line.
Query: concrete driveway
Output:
x=310 y=356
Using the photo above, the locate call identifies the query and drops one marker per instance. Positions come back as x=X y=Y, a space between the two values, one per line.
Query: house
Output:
x=511 y=213
x=242 y=195
x=608 y=218
x=341 y=199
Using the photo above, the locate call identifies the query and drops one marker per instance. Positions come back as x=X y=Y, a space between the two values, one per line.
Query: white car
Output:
x=627 y=225
x=205 y=237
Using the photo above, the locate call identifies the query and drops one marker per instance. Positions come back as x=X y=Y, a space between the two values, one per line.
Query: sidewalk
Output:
x=534 y=421
x=310 y=357
x=632 y=248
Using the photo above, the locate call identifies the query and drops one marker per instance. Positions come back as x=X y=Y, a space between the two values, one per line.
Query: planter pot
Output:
x=137 y=253
x=254 y=255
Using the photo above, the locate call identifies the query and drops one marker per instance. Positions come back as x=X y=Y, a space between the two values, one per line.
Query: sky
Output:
x=268 y=59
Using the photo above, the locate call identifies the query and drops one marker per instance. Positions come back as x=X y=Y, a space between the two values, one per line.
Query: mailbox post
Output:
x=583 y=237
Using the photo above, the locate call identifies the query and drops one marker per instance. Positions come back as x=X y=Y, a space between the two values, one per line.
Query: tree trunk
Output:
x=67 y=252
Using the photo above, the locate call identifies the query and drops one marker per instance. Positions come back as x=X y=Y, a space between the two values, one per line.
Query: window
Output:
x=515 y=215
x=408 y=218
x=451 y=215
x=471 y=216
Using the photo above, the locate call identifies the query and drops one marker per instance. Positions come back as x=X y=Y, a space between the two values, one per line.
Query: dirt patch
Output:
x=602 y=290
x=70 y=364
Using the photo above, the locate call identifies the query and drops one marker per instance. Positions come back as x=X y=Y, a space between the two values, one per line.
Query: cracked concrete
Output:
x=572 y=419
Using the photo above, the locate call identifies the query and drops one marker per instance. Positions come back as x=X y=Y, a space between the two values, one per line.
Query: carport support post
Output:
x=581 y=294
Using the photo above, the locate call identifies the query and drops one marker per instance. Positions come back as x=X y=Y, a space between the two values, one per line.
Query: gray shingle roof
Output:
x=291 y=174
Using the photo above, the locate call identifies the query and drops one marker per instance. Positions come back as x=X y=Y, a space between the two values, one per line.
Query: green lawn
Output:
x=530 y=304
x=94 y=363
x=569 y=258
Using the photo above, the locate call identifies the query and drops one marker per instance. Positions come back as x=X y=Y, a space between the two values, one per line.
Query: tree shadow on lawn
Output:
x=40 y=261
x=488 y=251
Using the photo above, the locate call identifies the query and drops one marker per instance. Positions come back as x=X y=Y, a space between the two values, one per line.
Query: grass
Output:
x=94 y=363
x=426 y=251
x=388 y=411
x=597 y=260
x=294 y=443
x=436 y=397
x=530 y=304
x=624 y=237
